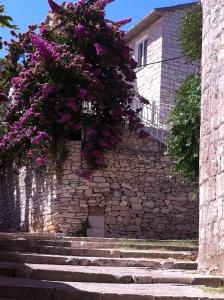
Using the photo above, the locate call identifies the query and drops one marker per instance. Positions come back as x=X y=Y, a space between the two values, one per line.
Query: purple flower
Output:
x=82 y=93
x=101 y=161
x=30 y=153
x=97 y=153
x=91 y=131
x=106 y=133
x=47 y=89
x=16 y=80
x=80 y=31
x=41 y=136
x=13 y=33
x=102 y=3
x=54 y=6
x=97 y=26
x=65 y=118
x=123 y=22
x=78 y=126
x=71 y=103
x=45 y=48
x=103 y=144
x=40 y=161
x=90 y=98
x=80 y=2
x=100 y=50
x=42 y=93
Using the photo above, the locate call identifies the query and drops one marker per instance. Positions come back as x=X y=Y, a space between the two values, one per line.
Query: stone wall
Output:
x=134 y=196
x=211 y=252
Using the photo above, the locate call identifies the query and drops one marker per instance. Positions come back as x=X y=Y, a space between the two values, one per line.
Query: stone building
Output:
x=154 y=39
x=211 y=250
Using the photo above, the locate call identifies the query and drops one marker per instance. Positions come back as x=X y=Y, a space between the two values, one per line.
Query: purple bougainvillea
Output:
x=100 y=50
x=74 y=73
x=54 y=6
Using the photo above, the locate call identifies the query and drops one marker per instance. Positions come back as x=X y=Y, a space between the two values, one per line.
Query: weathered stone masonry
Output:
x=134 y=196
x=211 y=252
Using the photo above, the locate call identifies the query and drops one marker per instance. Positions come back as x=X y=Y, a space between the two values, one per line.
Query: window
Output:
x=141 y=54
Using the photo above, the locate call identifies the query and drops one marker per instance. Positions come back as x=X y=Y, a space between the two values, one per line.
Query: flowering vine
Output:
x=71 y=75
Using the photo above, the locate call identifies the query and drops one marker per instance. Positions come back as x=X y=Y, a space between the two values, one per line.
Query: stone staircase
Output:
x=55 y=267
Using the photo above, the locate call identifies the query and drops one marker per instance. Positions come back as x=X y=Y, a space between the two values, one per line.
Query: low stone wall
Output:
x=134 y=196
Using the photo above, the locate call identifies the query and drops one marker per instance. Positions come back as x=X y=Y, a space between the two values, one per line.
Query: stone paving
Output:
x=29 y=272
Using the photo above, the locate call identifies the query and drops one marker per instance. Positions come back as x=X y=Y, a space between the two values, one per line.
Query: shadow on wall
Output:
x=10 y=210
x=25 y=199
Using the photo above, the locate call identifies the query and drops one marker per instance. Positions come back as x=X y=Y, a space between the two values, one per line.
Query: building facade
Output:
x=162 y=67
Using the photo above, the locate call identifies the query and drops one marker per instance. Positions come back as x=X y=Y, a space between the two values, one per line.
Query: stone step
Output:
x=27 y=289
x=119 y=253
x=80 y=273
x=96 y=245
x=35 y=258
x=55 y=237
x=110 y=275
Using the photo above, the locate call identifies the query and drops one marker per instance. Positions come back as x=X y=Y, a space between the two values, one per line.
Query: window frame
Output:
x=144 y=55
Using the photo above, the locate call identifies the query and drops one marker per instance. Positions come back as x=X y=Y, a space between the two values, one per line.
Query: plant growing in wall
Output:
x=191 y=34
x=84 y=229
x=184 y=136
x=70 y=76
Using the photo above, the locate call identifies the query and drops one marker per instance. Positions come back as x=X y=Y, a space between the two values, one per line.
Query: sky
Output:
x=26 y=12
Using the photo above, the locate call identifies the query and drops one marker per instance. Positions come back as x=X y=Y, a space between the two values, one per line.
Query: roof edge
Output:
x=146 y=21
x=154 y=16
x=177 y=7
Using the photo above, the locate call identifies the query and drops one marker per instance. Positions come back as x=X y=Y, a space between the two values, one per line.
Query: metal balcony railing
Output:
x=154 y=118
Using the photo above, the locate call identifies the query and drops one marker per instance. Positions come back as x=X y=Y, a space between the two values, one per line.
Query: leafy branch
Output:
x=5 y=21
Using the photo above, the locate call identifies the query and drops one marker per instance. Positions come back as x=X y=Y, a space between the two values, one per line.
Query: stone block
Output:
x=95 y=232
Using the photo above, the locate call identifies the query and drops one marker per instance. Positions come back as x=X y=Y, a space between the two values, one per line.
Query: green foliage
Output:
x=5 y=21
x=184 y=137
x=84 y=228
x=191 y=34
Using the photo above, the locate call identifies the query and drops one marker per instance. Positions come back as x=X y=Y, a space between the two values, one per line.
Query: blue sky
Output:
x=25 y=12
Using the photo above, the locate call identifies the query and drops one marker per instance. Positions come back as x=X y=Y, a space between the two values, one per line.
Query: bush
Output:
x=191 y=34
x=75 y=80
x=184 y=137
